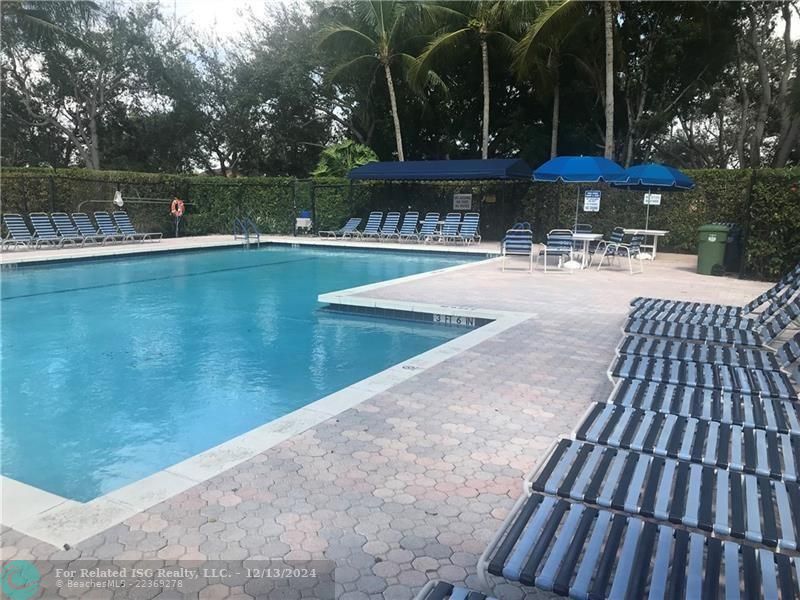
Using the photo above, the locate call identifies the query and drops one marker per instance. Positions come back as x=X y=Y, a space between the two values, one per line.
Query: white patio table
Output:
x=653 y=233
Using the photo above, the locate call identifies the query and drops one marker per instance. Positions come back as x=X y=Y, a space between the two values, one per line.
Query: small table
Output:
x=654 y=233
x=585 y=238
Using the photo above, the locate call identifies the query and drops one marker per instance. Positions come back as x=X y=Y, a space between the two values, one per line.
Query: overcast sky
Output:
x=224 y=18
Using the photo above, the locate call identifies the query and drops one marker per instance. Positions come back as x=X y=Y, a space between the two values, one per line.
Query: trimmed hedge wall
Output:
x=767 y=202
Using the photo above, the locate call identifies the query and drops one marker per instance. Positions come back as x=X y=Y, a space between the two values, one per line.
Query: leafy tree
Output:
x=337 y=160
x=70 y=89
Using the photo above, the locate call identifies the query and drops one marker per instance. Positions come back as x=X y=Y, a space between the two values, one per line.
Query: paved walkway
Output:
x=411 y=484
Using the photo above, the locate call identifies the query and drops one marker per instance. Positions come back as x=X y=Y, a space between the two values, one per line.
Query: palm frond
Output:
x=553 y=24
x=364 y=59
x=340 y=30
x=420 y=81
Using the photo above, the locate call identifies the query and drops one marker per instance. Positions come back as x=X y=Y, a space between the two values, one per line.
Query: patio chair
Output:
x=373 y=227
x=347 y=230
x=577 y=246
x=753 y=412
x=450 y=227
x=18 y=233
x=787 y=281
x=126 y=227
x=428 y=228
x=559 y=243
x=518 y=242
x=389 y=229
x=44 y=231
x=766 y=331
x=710 y=443
x=67 y=230
x=408 y=230
x=585 y=552
x=469 y=229
x=88 y=230
x=631 y=251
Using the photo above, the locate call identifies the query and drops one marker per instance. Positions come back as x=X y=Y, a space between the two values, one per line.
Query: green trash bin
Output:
x=711 y=242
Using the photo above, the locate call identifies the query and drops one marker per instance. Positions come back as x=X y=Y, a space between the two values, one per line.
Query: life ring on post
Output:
x=177 y=208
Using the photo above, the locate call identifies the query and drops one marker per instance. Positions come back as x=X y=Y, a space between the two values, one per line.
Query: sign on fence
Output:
x=462 y=201
x=652 y=199
x=591 y=201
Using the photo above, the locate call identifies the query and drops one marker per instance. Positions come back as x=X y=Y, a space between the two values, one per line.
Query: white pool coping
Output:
x=11 y=258
x=59 y=521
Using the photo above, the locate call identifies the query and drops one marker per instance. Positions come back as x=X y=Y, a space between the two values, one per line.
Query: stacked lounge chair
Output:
x=408 y=227
x=19 y=236
x=668 y=490
x=45 y=233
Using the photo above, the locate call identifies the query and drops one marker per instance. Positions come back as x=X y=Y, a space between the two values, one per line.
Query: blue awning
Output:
x=444 y=170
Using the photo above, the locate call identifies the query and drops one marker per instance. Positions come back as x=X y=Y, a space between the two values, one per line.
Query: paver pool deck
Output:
x=411 y=484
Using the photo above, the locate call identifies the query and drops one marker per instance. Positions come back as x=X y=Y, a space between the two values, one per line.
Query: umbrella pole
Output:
x=577 y=204
x=647 y=212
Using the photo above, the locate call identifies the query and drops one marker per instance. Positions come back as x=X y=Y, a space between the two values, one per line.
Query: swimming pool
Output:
x=113 y=370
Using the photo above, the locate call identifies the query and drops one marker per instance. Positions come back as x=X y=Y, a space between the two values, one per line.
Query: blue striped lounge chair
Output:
x=88 y=230
x=44 y=231
x=107 y=226
x=741 y=321
x=67 y=230
x=347 y=230
x=631 y=251
x=428 y=227
x=518 y=242
x=710 y=443
x=124 y=224
x=408 y=230
x=373 y=227
x=450 y=228
x=441 y=590
x=766 y=331
x=389 y=229
x=786 y=283
x=748 y=411
x=559 y=244
x=18 y=236
x=587 y=552
x=734 y=356
x=695 y=496
x=469 y=229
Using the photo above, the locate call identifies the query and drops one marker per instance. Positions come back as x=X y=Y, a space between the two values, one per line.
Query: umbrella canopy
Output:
x=652 y=176
x=580 y=169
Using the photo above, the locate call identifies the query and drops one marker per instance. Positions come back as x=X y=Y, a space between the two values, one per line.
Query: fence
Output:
x=765 y=202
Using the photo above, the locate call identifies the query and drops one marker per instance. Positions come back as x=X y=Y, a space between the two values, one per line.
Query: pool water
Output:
x=113 y=370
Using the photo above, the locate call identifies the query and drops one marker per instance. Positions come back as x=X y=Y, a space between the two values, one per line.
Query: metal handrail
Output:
x=243 y=227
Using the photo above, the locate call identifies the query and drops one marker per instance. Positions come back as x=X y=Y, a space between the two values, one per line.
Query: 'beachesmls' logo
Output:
x=20 y=579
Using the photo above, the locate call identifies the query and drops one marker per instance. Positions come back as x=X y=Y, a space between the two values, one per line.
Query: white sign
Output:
x=652 y=199
x=462 y=201
x=591 y=201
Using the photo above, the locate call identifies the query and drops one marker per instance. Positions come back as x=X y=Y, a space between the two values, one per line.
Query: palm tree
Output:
x=482 y=22
x=538 y=53
x=554 y=23
x=383 y=28
x=608 y=13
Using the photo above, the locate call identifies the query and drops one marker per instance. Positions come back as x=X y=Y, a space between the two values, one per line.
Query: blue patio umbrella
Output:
x=652 y=177
x=580 y=169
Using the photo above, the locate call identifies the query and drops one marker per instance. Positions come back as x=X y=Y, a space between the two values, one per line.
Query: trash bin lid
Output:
x=713 y=228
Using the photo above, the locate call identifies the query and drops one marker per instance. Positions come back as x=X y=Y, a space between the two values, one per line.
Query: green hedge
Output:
x=770 y=211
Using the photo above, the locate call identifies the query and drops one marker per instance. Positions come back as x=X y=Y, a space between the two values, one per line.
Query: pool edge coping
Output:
x=58 y=521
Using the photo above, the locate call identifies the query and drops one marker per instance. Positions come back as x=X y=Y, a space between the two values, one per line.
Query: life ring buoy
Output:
x=177 y=208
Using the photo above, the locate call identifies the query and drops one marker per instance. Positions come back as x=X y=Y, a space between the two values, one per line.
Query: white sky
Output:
x=225 y=16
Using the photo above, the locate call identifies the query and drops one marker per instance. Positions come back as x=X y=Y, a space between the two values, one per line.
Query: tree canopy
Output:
x=119 y=85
